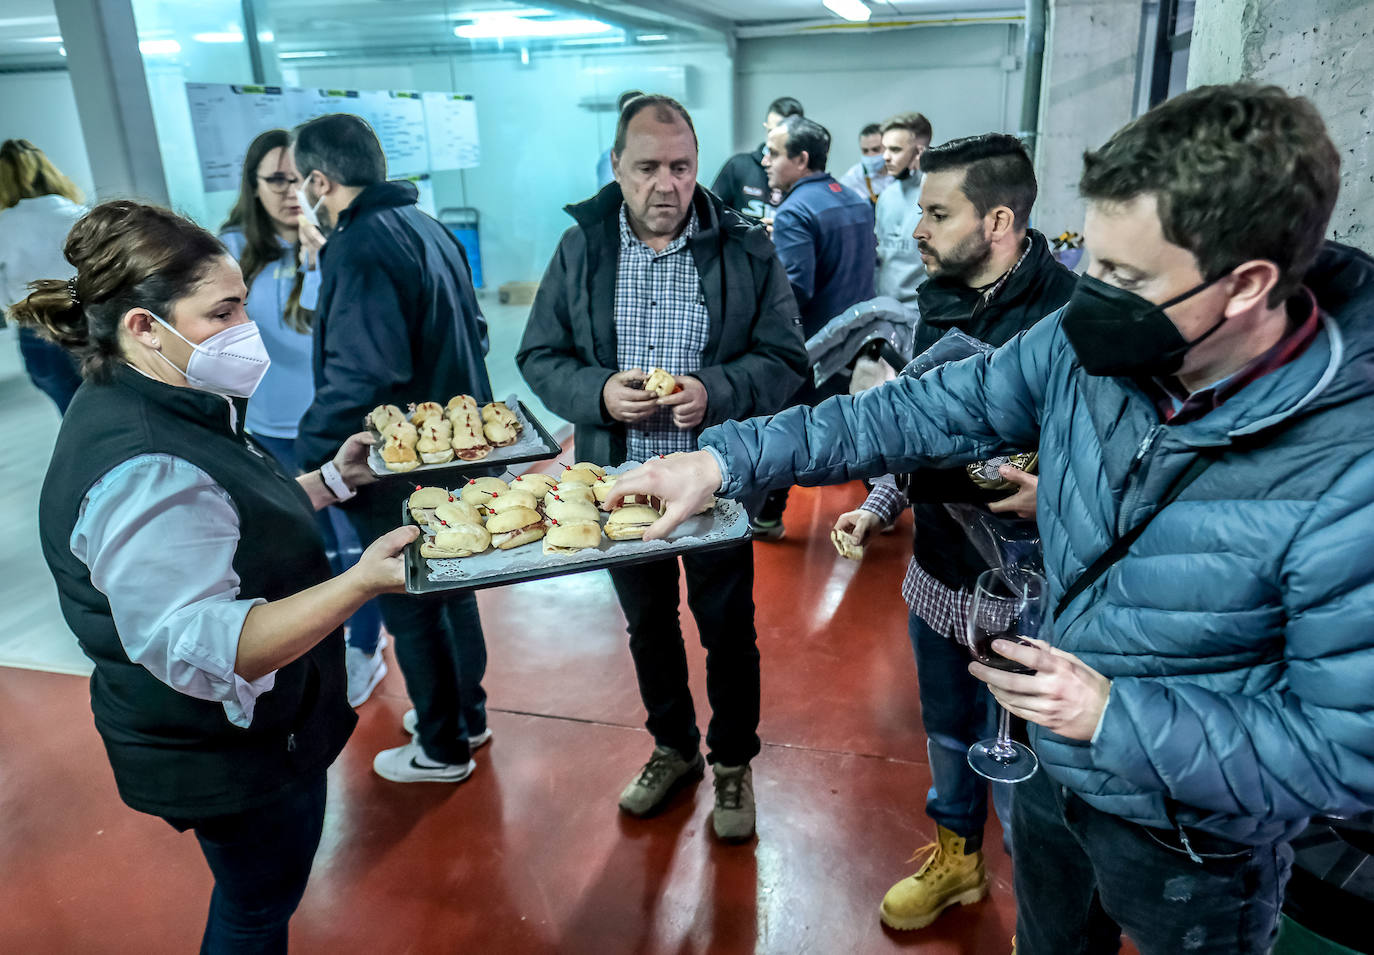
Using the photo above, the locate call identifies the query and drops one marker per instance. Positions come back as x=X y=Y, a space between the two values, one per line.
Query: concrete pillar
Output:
x=1087 y=93
x=112 y=98
x=1320 y=49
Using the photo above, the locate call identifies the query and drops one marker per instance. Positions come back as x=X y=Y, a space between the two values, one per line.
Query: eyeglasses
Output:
x=279 y=183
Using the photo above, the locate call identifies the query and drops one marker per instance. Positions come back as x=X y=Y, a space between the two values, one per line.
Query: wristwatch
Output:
x=329 y=474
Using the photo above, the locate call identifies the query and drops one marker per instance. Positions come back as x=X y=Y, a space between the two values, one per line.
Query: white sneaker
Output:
x=410 y=722
x=365 y=671
x=409 y=764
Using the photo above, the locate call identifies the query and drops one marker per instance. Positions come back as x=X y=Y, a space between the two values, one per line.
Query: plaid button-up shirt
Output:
x=660 y=322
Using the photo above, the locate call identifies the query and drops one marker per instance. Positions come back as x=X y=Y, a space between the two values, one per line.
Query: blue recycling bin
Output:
x=463 y=222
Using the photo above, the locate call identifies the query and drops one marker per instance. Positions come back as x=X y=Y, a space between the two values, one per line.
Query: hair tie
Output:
x=71 y=290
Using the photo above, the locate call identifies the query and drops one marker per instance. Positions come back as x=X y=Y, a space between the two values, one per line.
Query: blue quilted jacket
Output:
x=1238 y=632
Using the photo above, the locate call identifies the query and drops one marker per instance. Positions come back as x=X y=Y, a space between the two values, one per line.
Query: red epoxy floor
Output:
x=531 y=855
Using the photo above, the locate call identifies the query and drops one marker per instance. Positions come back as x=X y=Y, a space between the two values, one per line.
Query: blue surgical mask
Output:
x=873 y=165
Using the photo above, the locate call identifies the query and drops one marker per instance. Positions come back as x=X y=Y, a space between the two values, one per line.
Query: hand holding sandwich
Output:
x=683 y=482
x=688 y=403
x=625 y=400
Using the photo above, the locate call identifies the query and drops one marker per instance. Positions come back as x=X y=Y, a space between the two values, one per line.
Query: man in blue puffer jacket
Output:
x=1211 y=691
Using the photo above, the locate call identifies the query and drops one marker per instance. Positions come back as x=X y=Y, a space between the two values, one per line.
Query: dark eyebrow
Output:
x=229 y=300
x=1119 y=267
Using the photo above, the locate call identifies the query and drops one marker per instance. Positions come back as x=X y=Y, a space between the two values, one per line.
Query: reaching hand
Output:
x=625 y=400
x=858 y=524
x=689 y=404
x=1022 y=503
x=684 y=482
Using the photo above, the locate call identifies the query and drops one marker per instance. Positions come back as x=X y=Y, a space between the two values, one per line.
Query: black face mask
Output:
x=1116 y=332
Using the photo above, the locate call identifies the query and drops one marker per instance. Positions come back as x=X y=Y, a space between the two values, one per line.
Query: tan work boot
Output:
x=950 y=876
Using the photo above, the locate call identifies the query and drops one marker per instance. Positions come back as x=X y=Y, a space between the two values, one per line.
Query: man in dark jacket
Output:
x=742 y=183
x=1201 y=408
x=824 y=236
x=990 y=278
x=657 y=273
x=397 y=323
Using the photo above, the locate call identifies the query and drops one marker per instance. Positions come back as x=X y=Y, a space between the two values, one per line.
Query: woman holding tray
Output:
x=277 y=253
x=189 y=565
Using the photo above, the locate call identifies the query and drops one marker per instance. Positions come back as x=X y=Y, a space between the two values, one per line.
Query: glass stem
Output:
x=1002 y=749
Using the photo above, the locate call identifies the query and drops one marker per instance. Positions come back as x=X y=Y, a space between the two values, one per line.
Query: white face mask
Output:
x=874 y=164
x=308 y=210
x=231 y=362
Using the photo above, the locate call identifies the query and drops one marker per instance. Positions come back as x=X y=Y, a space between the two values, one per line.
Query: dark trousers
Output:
x=1083 y=876
x=341 y=544
x=261 y=862
x=49 y=367
x=956 y=712
x=438 y=643
x=720 y=593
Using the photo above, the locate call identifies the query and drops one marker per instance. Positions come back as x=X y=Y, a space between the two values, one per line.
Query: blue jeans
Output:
x=340 y=543
x=1083 y=876
x=956 y=712
x=261 y=862
x=49 y=367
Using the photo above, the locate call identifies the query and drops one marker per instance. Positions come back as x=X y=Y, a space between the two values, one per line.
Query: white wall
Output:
x=40 y=107
x=539 y=148
x=954 y=75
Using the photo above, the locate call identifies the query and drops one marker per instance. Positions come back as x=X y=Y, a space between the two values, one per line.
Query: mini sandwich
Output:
x=845 y=545
x=383 y=417
x=399 y=455
x=499 y=434
x=601 y=490
x=630 y=522
x=424 y=411
x=479 y=492
x=461 y=403
x=647 y=500
x=515 y=527
x=406 y=432
x=587 y=474
x=451 y=513
x=569 y=537
x=564 y=512
x=538 y=484
x=424 y=501
x=661 y=383
x=570 y=492
x=506 y=500
x=461 y=540
x=469 y=444
x=498 y=411
x=434 y=446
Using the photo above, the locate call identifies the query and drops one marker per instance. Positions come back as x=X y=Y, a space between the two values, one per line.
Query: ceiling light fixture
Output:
x=159 y=47
x=652 y=37
x=506 y=26
x=855 y=11
x=224 y=37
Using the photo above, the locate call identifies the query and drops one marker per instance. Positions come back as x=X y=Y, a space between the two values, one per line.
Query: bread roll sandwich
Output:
x=434 y=446
x=461 y=404
x=383 y=417
x=469 y=443
x=566 y=511
x=403 y=430
x=845 y=545
x=661 y=383
x=479 y=491
x=630 y=522
x=535 y=482
x=587 y=474
x=399 y=455
x=601 y=490
x=452 y=513
x=515 y=527
x=505 y=500
x=571 y=536
x=499 y=434
x=648 y=500
x=570 y=492
x=498 y=411
x=423 y=502
x=461 y=540
x=425 y=411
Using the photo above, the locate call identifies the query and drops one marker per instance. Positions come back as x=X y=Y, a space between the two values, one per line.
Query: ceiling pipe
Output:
x=1036 y=15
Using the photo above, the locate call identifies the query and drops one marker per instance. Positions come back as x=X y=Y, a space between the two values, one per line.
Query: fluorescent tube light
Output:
x=503 y=27
x=225 y=37
x=652 y=37
x=159 y=47
x=855 y=11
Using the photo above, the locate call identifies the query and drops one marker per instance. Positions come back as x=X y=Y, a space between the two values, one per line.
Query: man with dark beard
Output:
x=990 y=277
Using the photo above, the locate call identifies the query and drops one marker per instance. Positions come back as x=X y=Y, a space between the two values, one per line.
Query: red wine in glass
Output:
x=982 y=649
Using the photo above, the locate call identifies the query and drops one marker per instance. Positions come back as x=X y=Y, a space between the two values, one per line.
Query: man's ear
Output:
x=1003 y=221
x=1252 y=283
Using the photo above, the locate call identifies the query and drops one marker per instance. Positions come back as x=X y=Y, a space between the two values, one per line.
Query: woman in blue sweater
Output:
x=263 y=233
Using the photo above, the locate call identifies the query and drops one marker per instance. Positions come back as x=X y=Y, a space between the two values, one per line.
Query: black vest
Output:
x=174 y=755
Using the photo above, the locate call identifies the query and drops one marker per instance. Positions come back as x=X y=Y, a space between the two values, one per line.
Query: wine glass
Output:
x=1008 y=604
